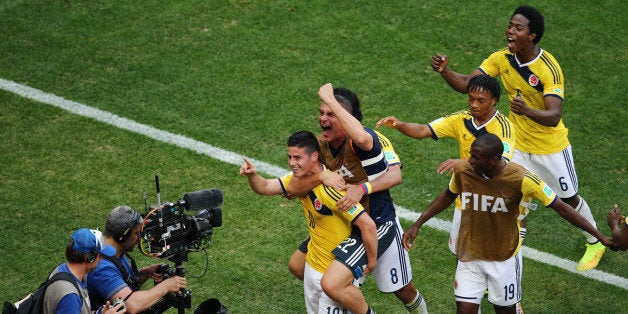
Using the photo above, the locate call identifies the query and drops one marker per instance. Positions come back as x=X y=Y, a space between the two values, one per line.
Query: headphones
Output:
x=92 y=256
x=135 y=220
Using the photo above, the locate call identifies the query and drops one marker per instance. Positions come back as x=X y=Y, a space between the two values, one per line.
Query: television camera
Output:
x=167 y=232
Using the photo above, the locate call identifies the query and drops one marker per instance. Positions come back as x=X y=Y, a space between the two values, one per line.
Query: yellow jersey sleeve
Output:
x=532 y=187
x=387 y=148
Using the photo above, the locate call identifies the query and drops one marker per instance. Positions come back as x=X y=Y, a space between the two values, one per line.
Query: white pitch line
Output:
x=236 y=159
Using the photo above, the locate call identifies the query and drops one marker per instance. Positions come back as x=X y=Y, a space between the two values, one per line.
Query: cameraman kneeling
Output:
x=117 y=277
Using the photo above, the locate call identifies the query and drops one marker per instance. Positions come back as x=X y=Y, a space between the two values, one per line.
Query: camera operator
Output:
x=117 y=277
x=83 y=252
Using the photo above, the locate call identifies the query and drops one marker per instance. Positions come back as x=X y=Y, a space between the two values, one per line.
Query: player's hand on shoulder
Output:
x=447 y=166
x=351 y=198
x=333 y=179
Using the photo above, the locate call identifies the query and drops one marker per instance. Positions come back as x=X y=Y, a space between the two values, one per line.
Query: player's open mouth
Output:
x=511 y=43
x=326 y=130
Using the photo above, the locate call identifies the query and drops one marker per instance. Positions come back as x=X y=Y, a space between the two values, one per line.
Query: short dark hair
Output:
x=536 y=21
x=490 y=144
x=349 y=100
x=304 y=139
x=485 y=82
x=74 y=256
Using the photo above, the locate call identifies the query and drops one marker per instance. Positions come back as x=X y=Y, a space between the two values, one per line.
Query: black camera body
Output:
x=169 y=233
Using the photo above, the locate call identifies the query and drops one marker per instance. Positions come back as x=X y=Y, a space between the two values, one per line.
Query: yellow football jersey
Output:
x=327 y=225
x=460 y=125
x=535 y=80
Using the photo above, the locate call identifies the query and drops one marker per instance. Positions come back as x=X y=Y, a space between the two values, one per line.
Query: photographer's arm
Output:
x=141 y=300
x=147 y=272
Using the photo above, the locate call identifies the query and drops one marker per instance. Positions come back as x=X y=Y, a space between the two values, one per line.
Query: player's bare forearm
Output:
x=391 y=178
x=302 y=185
x=442 y=201
x=260 y=185
x=571 y=215
x=368 y=230
x=550 y=116
x=414 y=130
x=458 y=81
x=257 y=183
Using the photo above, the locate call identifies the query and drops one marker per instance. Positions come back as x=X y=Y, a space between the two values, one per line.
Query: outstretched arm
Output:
x=353 y=127
x=457 y=81
x=258 y=184
x=414 y=130
x=571 y=215
x=442 y=201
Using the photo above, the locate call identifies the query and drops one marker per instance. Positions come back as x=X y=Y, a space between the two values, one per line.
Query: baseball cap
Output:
x=87 y=240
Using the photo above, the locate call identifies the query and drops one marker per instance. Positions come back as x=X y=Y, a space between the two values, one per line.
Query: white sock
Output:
x=585 y=211
x=417 y=306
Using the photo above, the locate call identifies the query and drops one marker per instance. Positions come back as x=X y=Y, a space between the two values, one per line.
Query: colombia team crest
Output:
x=533 y=80
x=318 y=205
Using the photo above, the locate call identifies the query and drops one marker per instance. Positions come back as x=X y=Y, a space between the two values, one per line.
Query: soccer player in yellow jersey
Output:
x=494 y=195
x=535 y=85
x=370 y=167
x=328 y=227
x=465 y=126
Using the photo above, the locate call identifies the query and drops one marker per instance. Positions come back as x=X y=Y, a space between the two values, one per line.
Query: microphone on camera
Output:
x=205 y=199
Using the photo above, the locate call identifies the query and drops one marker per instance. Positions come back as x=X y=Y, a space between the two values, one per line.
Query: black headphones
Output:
x=135 y=220
x=92 y=255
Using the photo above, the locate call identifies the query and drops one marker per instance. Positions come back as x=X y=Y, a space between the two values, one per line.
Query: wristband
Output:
x=367 y=188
